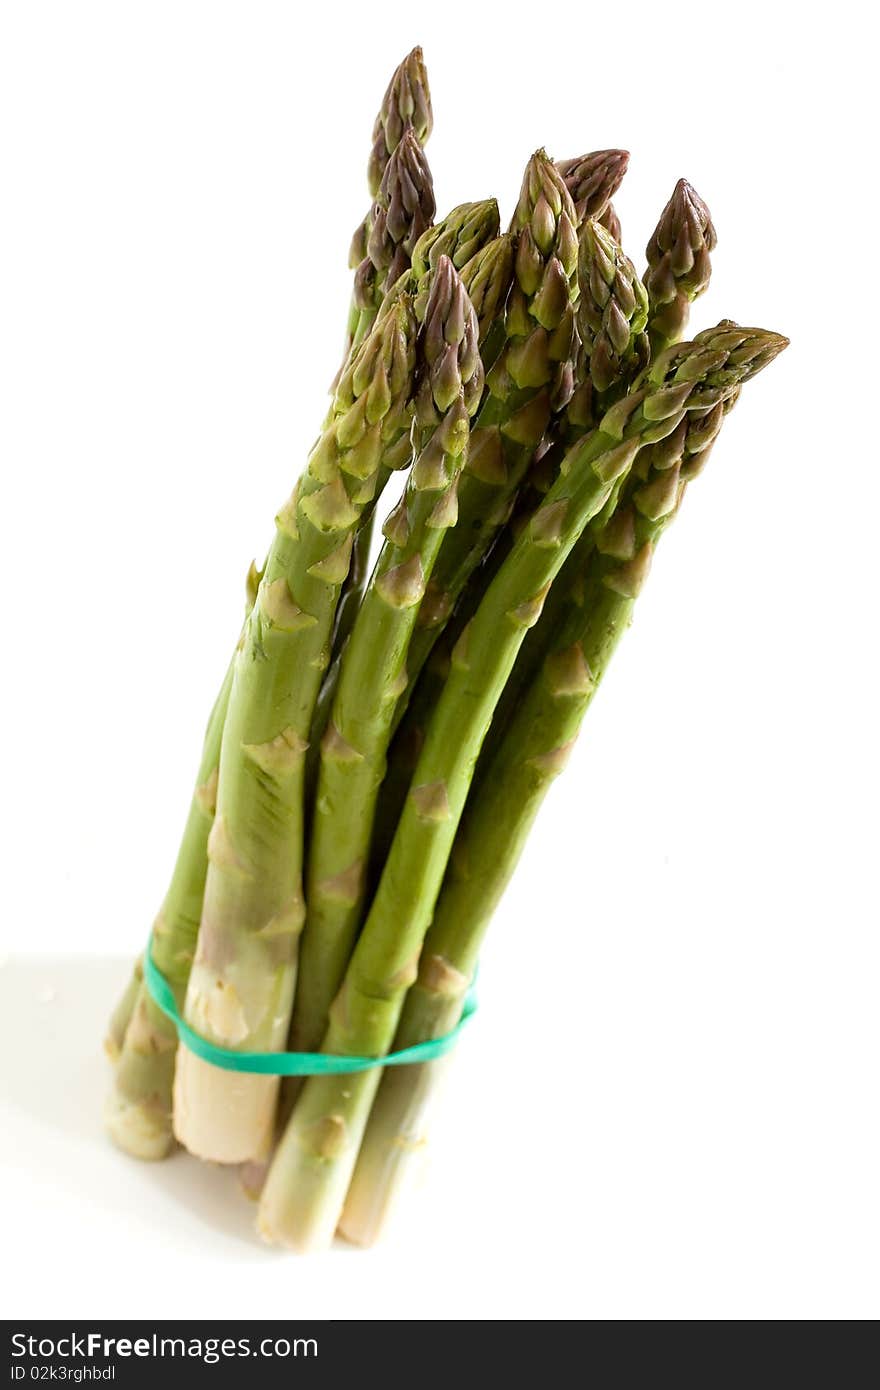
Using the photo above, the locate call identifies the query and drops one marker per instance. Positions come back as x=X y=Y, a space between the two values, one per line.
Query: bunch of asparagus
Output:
x=385 y=736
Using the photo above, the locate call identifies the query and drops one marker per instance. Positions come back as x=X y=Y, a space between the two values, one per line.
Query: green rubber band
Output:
x=293 y=1063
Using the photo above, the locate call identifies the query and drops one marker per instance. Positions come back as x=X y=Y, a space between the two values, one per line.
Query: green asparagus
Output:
x=593 y=179
x=405 y=105
x=530 y=371
x=383 y=741
x=679 y=264
x=122 y=1014
x=138 y=1109
x=373 y=667
x=612 y=312
x=407 y=102
x=502 y=808
x=404 y=208
x=307 y=1181
x=463 y=235
x=240 y=988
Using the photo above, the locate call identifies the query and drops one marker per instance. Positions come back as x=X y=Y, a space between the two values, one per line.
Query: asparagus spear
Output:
x=503 y=805
x=122 y=1014
x=461 y=235
x=404 y=208
x=406 y=104
x=612 y=311
x=531 y=370
x=609 y=286
x=374 y=662
x=307 y=1181
x=138 y=1110
x=487 y=278
x=593 y=179
x=240 y=988
x=679 y=264
x=611 y=314
x=685 y=210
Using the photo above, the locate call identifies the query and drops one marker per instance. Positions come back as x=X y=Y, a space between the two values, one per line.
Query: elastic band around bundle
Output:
x=293 y=1063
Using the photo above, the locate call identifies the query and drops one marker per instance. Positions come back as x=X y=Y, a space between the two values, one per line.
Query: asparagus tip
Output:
x=593 y=179
x=544 y=204
x=407 y=102
x=718 y=361
x=686 y=216
x=450 y=339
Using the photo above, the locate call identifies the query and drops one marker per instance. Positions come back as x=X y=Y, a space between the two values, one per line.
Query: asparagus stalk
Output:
x=503 y=805
x=373 y=666
x=404 y=208
x=240 y=987
x=612 y=312
x=612 y=307
x=487 y=279
x=405 y=105
x=466 y=230
x=679 y=264
x=138 y=1110
x=309 y=1175
x=461 y=235
x=593 y=179
x=122 y=1014
x=597 y=255
x=531 y=370
x=609 y=288
x=407 y=102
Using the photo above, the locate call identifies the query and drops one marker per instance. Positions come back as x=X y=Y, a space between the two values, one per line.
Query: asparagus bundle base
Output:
x=385 y=737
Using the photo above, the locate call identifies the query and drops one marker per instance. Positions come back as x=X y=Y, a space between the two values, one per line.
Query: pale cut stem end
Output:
x=311 y=1170
x=223 y=1116
x=288 y=1217
x=393 y=1160
x=373 y=1202
x=141 y=1131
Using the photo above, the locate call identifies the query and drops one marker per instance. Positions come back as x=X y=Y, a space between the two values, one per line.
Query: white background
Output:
x=668 y=1105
